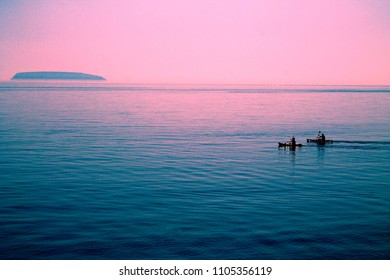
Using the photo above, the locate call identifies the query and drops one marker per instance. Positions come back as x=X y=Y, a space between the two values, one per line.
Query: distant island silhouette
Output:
x=49 y=75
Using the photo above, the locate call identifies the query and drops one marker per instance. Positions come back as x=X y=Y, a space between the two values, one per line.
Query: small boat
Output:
x=318 y=141
x=288 y=144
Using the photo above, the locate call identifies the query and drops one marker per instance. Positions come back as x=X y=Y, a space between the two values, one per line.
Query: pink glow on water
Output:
x=221 y=111
x=272 y=42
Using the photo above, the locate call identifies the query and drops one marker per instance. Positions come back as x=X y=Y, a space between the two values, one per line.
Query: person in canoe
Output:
x=321 y=138
x=293 y=142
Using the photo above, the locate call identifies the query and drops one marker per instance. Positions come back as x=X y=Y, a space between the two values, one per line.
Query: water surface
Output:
x=116 y=171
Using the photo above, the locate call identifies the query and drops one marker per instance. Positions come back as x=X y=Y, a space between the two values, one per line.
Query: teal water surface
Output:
x=116 y=171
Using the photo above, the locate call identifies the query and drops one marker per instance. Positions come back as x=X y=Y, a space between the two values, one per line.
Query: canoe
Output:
x=288 y=145
x=319 y=141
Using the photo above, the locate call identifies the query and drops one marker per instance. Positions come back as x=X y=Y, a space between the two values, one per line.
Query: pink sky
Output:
x=200 y=41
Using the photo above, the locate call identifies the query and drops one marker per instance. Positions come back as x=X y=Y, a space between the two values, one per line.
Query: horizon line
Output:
x=106 y=81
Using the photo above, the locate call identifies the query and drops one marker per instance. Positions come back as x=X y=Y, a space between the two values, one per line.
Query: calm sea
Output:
x=119 y=171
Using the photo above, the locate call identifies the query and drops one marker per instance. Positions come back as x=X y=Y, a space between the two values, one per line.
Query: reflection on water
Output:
x=97 y=171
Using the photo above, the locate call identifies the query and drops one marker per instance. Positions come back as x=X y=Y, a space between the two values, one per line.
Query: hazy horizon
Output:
x=168 y=83
x=200 y=42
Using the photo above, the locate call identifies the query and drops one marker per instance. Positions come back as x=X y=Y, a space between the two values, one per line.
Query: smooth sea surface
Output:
x=121 y=171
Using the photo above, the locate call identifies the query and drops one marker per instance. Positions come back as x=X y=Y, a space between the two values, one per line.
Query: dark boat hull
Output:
x=318 y=141
x=289 y=145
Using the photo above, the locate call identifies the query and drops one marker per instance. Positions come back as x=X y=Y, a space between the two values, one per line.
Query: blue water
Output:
x=116 y=171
